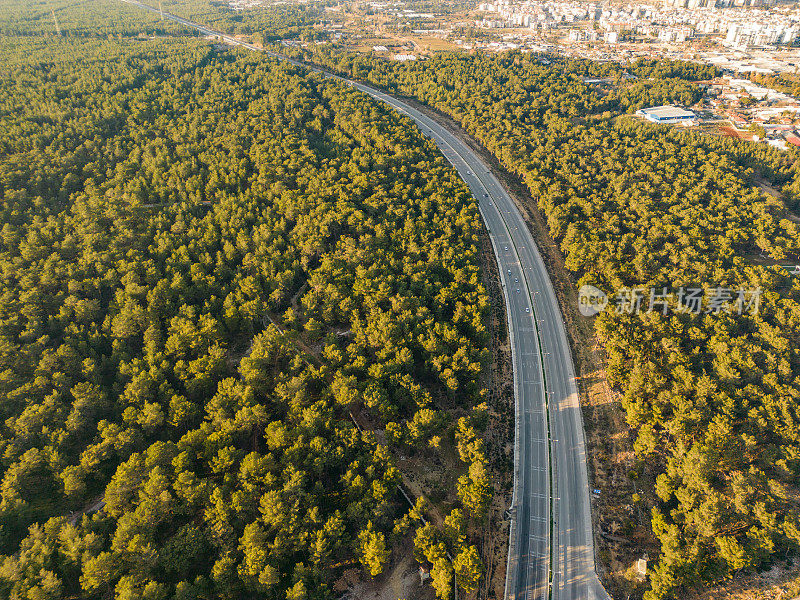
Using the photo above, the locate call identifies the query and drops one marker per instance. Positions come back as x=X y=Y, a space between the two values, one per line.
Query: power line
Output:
x=58 y=29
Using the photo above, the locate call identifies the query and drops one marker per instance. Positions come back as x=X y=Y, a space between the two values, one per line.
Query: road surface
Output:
x=551 y=550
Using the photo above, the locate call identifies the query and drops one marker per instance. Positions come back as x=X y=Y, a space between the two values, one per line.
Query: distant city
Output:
x=676 y=21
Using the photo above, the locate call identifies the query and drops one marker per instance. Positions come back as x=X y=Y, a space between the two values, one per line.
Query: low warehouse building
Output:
x=667 y=114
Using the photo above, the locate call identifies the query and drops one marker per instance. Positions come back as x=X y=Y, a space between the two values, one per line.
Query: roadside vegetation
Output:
x=212 y=266
x=264 y=23
x=712 y=397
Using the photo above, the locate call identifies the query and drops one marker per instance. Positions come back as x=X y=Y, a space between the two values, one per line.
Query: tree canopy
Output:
x=209 y=260
x=713 y=397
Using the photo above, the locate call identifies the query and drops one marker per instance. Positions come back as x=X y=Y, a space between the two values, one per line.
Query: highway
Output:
x=551 y=549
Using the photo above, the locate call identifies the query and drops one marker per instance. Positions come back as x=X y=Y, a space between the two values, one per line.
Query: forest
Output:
x=264 y=23
x=101 y=18
x=713 y=397
x=210 y=262
x=202 y=282
x=81 y=19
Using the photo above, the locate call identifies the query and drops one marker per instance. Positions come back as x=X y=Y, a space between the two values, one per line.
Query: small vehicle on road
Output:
x=527 y=309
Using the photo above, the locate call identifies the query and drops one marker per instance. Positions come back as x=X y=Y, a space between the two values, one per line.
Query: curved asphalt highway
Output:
x=551 y=550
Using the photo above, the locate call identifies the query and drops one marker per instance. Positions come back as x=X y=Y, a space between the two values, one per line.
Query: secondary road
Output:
x=551 y=549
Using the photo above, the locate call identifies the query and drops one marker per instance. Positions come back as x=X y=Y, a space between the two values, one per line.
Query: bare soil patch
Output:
x=782 y=582
x=399 y=581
